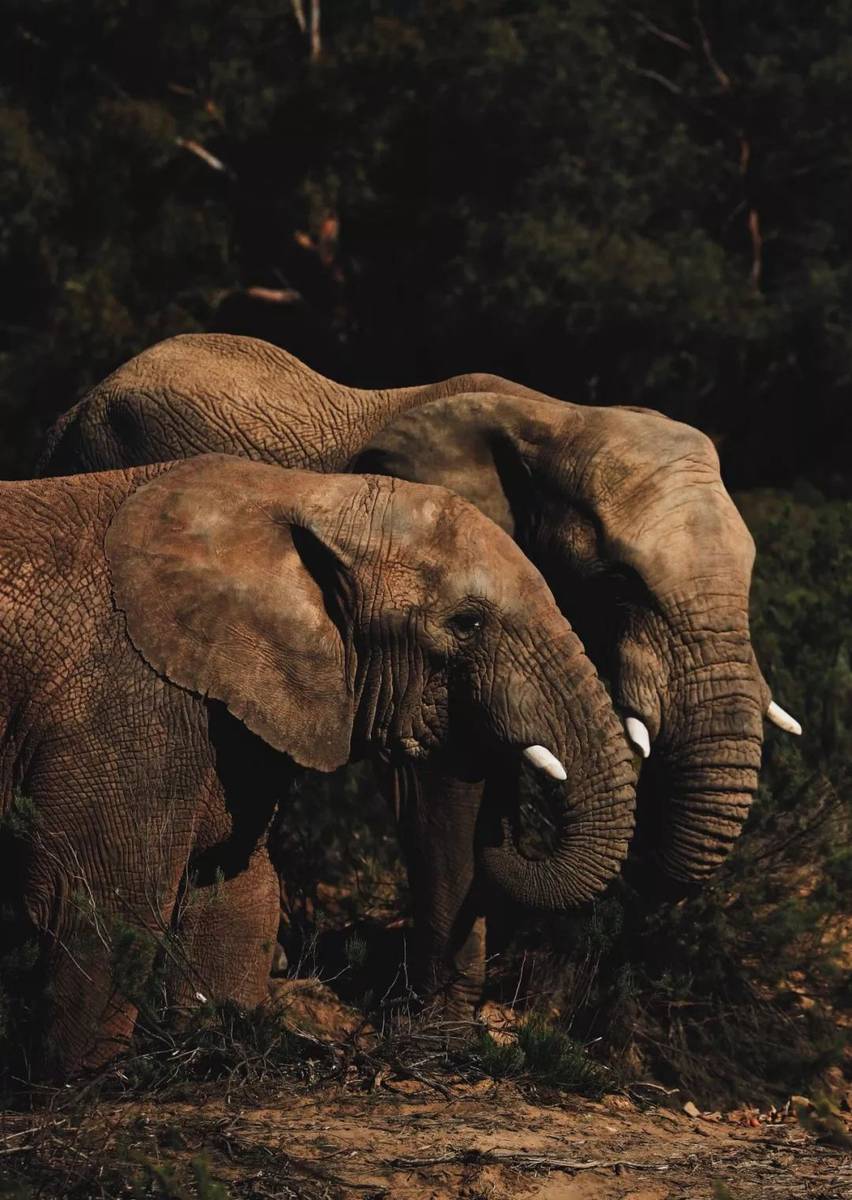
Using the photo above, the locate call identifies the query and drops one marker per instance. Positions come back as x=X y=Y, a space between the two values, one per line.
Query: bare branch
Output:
x=299 y=13
x=668 y=84
x=316 y=43
x=650 y=27
x=520 y=1160
x=722 y=76
x=274 y=295
x=198 y=150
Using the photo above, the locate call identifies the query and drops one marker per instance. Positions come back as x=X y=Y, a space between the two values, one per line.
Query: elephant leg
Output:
x=99 y=940
x=225 y=937
x=437 y=818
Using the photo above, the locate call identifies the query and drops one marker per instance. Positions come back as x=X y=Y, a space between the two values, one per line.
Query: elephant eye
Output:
x=465 y=623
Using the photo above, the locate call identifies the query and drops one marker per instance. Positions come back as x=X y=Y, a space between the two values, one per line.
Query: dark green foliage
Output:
x=616 y=205
x=18 y=822
x=18 y=963
x=23 y=992
x=336 y=848
x=156 y=1180
x=543 y=1053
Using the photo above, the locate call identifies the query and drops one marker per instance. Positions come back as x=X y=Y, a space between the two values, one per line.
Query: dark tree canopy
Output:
x=617 y=205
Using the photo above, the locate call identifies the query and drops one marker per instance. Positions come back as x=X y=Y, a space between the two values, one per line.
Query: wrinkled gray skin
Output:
x=623 y=511
x=218 y=392
x=176 y=640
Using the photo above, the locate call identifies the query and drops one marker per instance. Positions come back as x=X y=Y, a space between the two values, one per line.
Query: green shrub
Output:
x=162 y=1183
x=543 y=1053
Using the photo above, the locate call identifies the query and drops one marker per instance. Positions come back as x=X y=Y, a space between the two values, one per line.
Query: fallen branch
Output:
x=8 y=1137
x=198 y=150
x=419 y=1077
x=523 y=1161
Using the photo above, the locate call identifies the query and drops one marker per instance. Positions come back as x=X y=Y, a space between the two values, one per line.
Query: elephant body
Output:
x=124 y=772
x=177 y=640
x=198 y=393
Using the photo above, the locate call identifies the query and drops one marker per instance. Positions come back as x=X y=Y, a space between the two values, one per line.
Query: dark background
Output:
x=612 y=205
x=624 y=205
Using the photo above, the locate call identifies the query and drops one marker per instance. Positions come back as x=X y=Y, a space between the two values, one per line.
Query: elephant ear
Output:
x=228 y=591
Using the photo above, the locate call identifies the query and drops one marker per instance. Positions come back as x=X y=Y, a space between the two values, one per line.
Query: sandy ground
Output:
x=481 y=1142
x=496 y=1144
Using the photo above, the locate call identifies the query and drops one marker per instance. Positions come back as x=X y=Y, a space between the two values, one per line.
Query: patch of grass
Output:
x=554 y=1058
x=543 y=1053
x=500 y=1060
x=821 y=1118
x=162 y=1182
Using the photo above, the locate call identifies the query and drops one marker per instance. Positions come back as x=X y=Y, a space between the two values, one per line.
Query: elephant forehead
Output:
x=431 y=544
x=630 y=456
x=443 y=585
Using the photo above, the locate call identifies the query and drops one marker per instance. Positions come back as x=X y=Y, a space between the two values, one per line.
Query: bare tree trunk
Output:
x=299 y=13
x=312 y=33
x=316 y=43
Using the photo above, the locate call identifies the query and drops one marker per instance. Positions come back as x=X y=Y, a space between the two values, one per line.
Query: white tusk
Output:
x=783 y=720
x=637 y=731
x=543 y=760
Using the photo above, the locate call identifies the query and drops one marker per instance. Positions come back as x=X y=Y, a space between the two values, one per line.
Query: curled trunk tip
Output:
x=592 y=846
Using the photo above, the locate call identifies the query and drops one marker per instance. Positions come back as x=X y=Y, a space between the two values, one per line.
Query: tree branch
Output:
x=650 y=27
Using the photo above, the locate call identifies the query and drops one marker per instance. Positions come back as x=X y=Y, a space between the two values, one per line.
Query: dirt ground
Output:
x=481 y=1142
x=400 y=1136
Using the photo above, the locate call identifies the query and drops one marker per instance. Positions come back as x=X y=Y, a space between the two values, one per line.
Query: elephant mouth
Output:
x=638 y=734
x=542 y=762
x=639 y=737
x=410 y=747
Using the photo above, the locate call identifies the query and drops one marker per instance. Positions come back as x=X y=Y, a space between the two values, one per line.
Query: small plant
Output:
x=543 y=1053
x=356 y=952
x=554 y=1058
x=822 y=1119
x=500 y=1060
x=161 y=1183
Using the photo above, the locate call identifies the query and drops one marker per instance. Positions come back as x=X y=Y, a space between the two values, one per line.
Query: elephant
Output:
x=624 y=512
x=622 y=509
x=178 y=640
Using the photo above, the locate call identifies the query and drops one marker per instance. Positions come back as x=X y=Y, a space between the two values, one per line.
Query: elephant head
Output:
x=625 y=514
x=344 y=616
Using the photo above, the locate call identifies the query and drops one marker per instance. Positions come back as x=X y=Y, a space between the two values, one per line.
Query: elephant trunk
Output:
x=708 y=784
x=704 y=766
x=598 y=815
